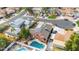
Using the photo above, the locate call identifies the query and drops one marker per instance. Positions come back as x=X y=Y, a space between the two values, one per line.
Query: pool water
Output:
x=37 y=45
x=21 y=49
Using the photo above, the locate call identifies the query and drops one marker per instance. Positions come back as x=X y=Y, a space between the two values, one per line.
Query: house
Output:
x=61 y=37
x=17 y=23
x=42 y=32
x=15 y=28
x=37 y=10
x=13 y=32
x=28 y=21
x=67 y=11
x=10 y=10
x=46 y=30
x=2 y=13
x=6 y=11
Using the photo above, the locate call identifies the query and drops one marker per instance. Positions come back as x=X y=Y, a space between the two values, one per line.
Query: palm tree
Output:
x=24 y=33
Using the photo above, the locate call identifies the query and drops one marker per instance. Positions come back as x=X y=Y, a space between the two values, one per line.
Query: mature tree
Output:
x=3 y=43
x=24 y=33
x=73 y=43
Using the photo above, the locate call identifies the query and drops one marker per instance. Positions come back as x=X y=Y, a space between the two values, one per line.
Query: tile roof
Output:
x=63 y=37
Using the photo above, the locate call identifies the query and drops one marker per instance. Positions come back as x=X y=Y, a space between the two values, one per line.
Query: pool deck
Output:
x=23 y=46
x=38 y=42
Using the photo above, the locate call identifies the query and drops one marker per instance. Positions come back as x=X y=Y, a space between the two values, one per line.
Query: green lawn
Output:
x=52 y=17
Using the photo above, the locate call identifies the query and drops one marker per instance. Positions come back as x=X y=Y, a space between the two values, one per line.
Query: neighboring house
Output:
x=13 y=32
x=10 y=10
x=17 y=23
x=37 y=10
x=7 y=11
x=61 y=37
x=2 y=13
x=15 y=28
x=76 y=15
x=67 y=11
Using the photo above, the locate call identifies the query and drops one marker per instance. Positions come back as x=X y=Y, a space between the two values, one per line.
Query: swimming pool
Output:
x=37 y=44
